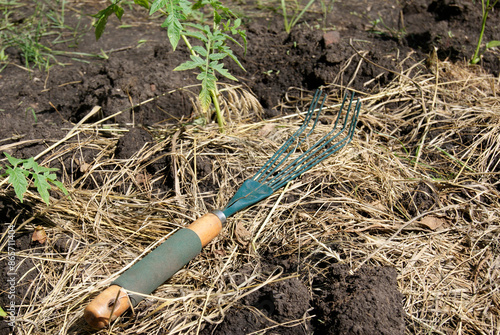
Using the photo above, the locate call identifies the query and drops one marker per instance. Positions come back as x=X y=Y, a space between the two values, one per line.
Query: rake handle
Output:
x=152 y=271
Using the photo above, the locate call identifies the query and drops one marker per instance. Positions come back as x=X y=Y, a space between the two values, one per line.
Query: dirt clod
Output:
x=367 y=302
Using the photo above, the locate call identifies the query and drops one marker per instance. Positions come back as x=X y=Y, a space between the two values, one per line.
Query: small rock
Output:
x=331 y=37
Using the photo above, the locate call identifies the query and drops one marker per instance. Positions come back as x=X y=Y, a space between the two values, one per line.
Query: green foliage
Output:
x=486 y=8
x=208 y=57
x=36 y=34
x=380 y=28
x=326 y=8
x=289 y=24
x=102 y=18
x=2 y=312
x=21 y=171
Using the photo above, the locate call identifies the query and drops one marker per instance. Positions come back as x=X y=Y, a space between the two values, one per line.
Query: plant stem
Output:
x=486 y=9
x=184 y=38
x=213 y=93
x=220 y=118
x=287 y=27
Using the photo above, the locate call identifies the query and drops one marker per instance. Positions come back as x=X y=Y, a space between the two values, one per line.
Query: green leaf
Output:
x=200 y=50
x=205 y=97
x=157 y=5
x=118 y=11
x=2 y=312
x=188 y=65
x=18 y=180
x=12 y=160
x=50 y=176
x=174 y=28
x=195 y=26
x=43 y=187
x=217 y=56
x=217 y=17
x=220 y=68
x=199 y=4
x=143 y=3
x=196 y=61
x=60 y=186
x=30 y=164
x=230 y=53
x=185 y=7
x=209 y=78
x=102 y=20
x=196 y=34
x=492 y=44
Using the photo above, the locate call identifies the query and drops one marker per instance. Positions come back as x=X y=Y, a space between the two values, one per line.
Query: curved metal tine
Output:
x=290 y=152
x=326 y=153
x=294 y=165
x=282 y=177
x=306 y=165
x=270 y=162
x=313 y=156
x=264 y=172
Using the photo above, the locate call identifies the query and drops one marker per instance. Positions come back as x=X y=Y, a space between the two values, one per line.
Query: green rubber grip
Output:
x=160 y=264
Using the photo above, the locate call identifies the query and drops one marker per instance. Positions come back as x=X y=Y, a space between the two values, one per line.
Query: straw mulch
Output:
x=417 y=189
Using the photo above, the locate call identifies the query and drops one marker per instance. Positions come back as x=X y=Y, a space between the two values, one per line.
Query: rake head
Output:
x=281 y=168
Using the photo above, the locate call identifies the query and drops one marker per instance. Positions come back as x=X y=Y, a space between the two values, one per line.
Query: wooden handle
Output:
x=152 y=271
x=106 y=307
x=207 y=227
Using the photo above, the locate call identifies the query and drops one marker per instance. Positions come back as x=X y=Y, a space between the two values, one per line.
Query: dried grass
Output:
x=434 y=136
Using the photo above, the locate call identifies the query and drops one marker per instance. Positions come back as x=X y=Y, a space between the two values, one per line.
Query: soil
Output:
x=312 y=55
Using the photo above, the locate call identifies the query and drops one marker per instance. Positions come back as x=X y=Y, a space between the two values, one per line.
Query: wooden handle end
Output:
x=106 y=307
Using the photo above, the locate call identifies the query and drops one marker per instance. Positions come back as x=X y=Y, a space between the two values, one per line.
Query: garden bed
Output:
x=398 y=233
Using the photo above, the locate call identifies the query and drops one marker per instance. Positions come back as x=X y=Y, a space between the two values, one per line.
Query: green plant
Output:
x=486 y=8
x=33 y=112
x=21 y=171
x=2 y=312
x=37 y=33
x=207 y=57
x=380 y=28
x=289 y=24
x=326 y=8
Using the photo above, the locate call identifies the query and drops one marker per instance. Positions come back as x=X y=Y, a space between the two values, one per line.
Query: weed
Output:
x=325 y=9
x=2 y=313
x=33 y=34
x=380 y=28
x=206 y=58
x=21 y=171
x=33 y=112
x=297 y=15
x=486 y=8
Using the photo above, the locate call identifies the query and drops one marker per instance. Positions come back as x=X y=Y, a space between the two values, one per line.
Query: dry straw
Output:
x=417 y=189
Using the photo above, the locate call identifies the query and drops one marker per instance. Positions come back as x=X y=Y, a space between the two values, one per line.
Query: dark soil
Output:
x=367 y=302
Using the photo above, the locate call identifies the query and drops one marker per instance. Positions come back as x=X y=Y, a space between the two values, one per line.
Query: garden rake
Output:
x=163 y=262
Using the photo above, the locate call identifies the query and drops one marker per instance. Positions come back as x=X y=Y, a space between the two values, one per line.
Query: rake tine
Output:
x=316 y=153
x=264 y=172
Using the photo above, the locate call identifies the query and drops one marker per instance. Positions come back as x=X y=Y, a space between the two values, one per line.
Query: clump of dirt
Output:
x=132 y=142
x=281 y=307
x=366 y=302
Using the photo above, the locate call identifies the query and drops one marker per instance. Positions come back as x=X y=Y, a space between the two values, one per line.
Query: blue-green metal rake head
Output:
x=281 y=168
